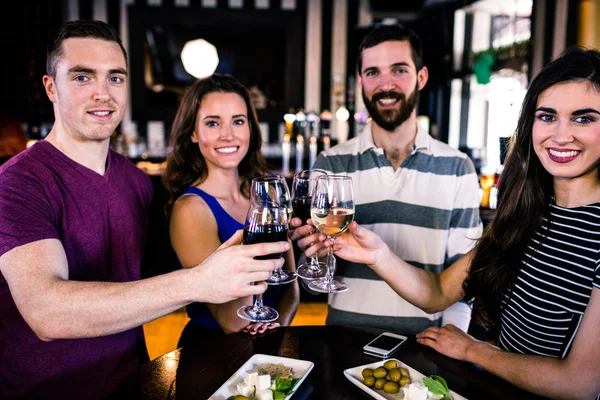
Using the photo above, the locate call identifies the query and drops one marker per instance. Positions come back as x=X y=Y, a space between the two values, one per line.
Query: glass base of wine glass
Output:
x=281 y=277
x=324 y=286
x=257 y=314
x=310 y=272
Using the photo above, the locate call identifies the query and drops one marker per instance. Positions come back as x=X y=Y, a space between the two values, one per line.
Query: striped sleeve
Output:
x=322 y=162
x=597 y=275
x=465 y=224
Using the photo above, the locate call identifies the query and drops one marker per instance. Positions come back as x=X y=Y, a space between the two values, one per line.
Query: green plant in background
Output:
x=485 y=62
x=482 y=68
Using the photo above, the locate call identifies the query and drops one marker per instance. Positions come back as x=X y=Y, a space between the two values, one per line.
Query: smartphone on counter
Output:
x=384 y=345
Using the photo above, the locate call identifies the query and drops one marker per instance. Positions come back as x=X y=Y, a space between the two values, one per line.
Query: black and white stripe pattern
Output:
x=542 y=313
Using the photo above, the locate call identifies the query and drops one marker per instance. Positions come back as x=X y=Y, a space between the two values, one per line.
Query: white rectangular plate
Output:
x=300 y=369
x=354 y=375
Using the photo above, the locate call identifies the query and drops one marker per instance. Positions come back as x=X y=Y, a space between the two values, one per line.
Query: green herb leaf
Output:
x=434 y=386
x=279 y=395
x=447 y=397
x=284 y=386
x=441 y=380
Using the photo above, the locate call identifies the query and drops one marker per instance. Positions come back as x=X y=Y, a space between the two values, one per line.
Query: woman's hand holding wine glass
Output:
x=360 y=245
x=332 y=211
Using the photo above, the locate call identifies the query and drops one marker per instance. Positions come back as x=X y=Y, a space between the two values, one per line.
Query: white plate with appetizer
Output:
x=392 y=380
x=265 y=377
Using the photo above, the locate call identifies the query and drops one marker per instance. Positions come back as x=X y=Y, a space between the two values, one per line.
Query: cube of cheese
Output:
x=263 y=382
x=415 y=391
x=265 y=394
x=250 y=377
x=245 y=390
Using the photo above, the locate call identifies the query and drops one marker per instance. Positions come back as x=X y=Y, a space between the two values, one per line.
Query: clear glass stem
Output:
x=258 y=301
x=330 y=263
x=314 y=263
x=314 y=260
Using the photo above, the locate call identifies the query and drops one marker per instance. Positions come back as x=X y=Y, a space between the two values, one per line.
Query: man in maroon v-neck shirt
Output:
x=73 y=219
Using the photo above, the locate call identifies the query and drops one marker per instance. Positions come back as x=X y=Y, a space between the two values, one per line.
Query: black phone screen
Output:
x=385 y=342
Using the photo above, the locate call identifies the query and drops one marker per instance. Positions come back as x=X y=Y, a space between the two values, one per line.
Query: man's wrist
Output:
x=183 y=287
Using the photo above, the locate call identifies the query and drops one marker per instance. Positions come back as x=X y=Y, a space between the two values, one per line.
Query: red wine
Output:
x=301 y=207
x=266 y=234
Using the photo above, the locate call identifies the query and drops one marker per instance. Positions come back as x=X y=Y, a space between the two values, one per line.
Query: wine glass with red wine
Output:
x=266 y=222
x=273 y=191
x=303 y=187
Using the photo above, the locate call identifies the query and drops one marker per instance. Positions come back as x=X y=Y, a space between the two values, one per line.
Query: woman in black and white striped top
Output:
x=544 y=309
x=534 y=276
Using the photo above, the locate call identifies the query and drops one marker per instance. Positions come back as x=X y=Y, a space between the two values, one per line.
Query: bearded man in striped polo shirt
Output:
x=419 y=194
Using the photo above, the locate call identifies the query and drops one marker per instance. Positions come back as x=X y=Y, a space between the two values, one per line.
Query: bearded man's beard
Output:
x=391 y=119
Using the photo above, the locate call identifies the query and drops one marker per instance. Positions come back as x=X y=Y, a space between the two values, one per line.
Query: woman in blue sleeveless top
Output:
x=216 y=152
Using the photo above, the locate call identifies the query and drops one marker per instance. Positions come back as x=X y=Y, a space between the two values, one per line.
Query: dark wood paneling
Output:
x=86 y=9
x=222 y=3
x=550 y=22
x=326 y=34
x=572 y=22
x=113 y=15
x=25 y=29
x=466 y=82
x=350 y=95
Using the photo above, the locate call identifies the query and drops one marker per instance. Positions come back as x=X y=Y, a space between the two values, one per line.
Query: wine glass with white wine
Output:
x=332 y=211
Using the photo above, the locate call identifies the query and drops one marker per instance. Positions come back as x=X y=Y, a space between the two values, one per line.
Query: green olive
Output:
x=389 y=364
x=405 y=380
x=394 y=374
x=367 y=372
x=237 y=397
x=403 y=371
x=380 y=373
x=391 y=387
x=369 y=381
x=379 y=383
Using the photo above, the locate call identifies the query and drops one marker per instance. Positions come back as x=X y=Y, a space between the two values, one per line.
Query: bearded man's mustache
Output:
x=388 y=95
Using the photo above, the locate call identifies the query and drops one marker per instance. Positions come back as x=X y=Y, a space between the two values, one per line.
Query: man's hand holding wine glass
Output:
x=230 y=272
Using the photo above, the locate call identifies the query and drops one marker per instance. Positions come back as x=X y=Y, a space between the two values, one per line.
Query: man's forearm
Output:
x=90 y=309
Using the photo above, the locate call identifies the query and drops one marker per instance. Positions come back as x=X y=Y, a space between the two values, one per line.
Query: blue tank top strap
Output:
x=226 y=224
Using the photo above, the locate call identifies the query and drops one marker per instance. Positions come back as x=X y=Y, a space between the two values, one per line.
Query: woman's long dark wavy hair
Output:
x=185 y=163
x=524 y=193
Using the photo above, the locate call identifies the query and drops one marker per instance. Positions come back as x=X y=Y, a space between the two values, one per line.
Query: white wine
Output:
x=332 y=221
